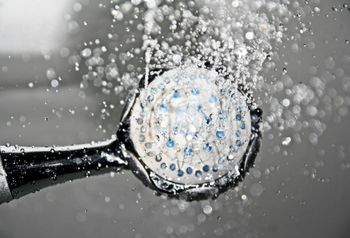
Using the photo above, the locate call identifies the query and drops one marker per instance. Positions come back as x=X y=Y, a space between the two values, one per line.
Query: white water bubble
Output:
x=86 y=52
x=151 y=3
x=302 y=94
x=207 y=209
x=50 y=73
x=126 y=7
x=286 y=141
x=189 y=137
x=286 y=102
x=136 y=2
x=235 y=3
x=107 y=199
x=118 y=15
x=54 y=83
x=311 y=110
x=177 y=59
x=249 y=35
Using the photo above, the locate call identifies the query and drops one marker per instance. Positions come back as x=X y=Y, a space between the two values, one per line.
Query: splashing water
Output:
x=233 y=37
x=229 y=35
x=242 y=39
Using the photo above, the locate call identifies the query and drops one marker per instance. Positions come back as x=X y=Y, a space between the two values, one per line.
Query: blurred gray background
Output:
x=297 y=191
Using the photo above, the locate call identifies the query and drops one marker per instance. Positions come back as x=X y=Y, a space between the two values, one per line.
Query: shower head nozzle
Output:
x=191 y=134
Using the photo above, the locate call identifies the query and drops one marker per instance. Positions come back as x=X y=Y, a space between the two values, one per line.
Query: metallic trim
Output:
x=5 y=193
x=33 y=149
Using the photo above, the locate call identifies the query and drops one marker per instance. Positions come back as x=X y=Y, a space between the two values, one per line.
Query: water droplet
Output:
x=86 y=53
x=249 y=35
x=286 y=141
x=54 y=83
x=177 y=59
x=207 y=209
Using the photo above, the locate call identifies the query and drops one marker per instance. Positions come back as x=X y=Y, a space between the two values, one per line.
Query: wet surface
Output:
x=298 y=185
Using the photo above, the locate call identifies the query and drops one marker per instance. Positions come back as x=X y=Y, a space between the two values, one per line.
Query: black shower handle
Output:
x=24 y=170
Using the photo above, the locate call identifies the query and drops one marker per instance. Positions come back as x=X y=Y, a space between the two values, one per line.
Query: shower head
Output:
x=186 y=131
x=191 y=131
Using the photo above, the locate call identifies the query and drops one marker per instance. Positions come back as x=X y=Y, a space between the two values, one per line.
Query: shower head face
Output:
x=187 y=131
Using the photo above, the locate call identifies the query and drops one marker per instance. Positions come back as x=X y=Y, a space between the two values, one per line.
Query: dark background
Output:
x=300 y=190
